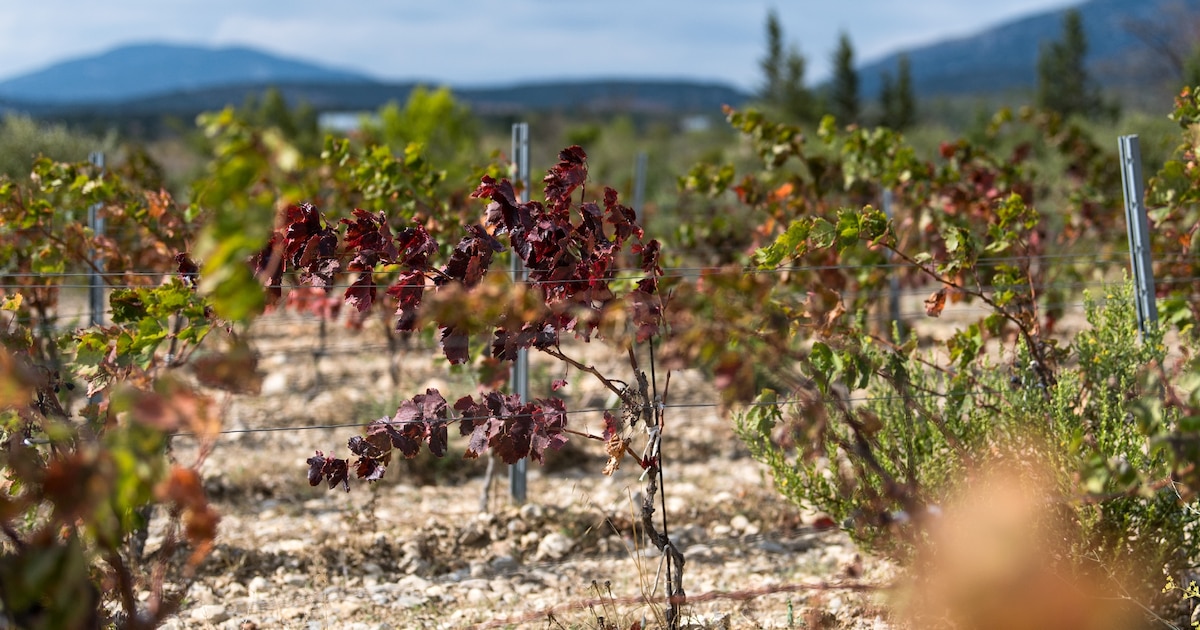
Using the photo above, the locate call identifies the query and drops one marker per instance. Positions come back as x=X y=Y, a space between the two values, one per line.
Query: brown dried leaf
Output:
x=17 y=381
x=233 y=371
x=935 y=303
x=184 y=488
x=616 y=449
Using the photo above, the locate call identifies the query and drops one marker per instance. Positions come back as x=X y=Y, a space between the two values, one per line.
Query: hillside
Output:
x=602 y=95
x=1004 y=58
x=142 y=70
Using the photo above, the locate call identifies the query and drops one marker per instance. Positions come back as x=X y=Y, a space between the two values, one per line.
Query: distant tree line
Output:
x=1063 y=83
x=784 y=91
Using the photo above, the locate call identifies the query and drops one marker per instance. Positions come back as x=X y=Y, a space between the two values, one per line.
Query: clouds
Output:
x=483 y=42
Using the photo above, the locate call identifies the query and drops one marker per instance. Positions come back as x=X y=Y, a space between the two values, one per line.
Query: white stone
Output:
x=211 y=613
x=275 y=383
x=553 y=546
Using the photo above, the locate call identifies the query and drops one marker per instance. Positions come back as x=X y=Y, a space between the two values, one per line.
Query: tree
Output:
x=772 y=64
x=783 y=76
x=887 y=100
x=843 y=100
x=906 y=101
x=1063 y=82
x=271 y=110
x=896 y=98
x=442 y=125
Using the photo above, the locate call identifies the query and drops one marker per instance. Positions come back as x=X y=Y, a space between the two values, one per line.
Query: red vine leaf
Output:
x=361 y=294
x=332 y=469
x=408 y=291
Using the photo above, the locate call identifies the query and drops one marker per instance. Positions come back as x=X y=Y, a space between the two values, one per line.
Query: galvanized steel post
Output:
x=520 y=369
x=1138 y=226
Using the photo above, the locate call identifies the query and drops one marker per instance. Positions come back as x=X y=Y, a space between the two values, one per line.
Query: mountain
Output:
x=142 y=70
x=653 y=97
x=153 y=80
x=1004 y=58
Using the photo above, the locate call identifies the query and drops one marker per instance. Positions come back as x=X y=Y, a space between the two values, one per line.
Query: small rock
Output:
x=770 y=546
x=295 y=579
x=532 y=512
x=476 y=584
x=475 y=533
x=293 y=612
x=721 y=497
x=553 y=546
x=739 y=523
x=211 y=613
x=274 y=383
x=504 y=563
x=413 y=583
x=409 y=601
x=701 y=553
x=476 y=596
x=201 y=594
x=258 y=584
x=721 y=531
x=372 y=568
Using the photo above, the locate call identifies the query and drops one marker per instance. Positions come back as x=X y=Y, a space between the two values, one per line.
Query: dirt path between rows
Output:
x=416 y=551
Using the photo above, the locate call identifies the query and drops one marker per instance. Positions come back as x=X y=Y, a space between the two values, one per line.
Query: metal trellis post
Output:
x=893 y=280
x=639 y=185
x=95 y=282
x=1138 y=227
x=520 y=369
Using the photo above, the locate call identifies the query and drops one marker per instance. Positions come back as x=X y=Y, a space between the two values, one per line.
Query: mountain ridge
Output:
x=1004 y=57
x=148 y=79
x=146 y=69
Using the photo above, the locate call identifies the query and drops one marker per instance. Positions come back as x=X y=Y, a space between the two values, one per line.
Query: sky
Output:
x=493 y=42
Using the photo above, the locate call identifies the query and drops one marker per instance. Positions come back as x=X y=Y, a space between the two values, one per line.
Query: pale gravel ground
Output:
x=404 y=555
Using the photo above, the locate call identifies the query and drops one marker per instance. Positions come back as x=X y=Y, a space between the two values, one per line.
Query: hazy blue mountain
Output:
x=601 y=96
x=1004 y=58
x=157 y=79
x=141 y=70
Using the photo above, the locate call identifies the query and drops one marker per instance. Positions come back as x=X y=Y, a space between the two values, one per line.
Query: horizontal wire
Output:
x=570 y=412
x=566 y=283
x=685 y=270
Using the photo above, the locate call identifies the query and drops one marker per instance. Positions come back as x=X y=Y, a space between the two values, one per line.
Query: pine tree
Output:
x=783 y=75
x=905 y=100
x=887 y=101
x=772 y=64
x=844 y=93
x=1063 y=82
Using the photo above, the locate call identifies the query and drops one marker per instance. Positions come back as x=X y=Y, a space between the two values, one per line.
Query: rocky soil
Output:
x=417 y=551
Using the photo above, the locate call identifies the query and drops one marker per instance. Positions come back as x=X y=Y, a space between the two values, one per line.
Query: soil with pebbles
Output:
x=417 y=551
